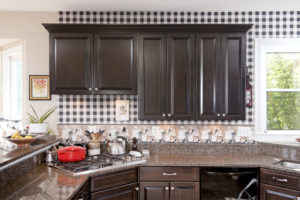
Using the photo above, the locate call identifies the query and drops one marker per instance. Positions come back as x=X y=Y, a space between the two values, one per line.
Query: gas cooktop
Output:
x=97 y=163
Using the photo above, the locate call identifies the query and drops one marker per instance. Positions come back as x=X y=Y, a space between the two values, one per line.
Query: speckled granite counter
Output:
x=9 y=156
x=48 y=183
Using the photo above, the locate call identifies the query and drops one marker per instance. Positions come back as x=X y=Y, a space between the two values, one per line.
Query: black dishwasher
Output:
x=229 y=183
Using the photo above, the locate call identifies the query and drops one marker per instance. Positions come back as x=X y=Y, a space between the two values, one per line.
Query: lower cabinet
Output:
x=84 y=192
x=269 y=192
x=125 y=192
x=169 y=190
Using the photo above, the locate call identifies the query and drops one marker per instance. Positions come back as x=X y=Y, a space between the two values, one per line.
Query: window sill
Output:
x=284 y=138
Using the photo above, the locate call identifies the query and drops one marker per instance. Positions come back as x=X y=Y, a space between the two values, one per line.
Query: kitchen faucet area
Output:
x=150 y=100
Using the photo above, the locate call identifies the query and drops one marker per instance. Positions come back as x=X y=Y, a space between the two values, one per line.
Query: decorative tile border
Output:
x=266 y=24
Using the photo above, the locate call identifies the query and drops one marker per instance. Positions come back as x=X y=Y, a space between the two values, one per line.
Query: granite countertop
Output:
x=45 y=182
x=15 y=154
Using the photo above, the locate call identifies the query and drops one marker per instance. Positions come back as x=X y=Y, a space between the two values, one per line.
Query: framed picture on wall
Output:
x=39 y=87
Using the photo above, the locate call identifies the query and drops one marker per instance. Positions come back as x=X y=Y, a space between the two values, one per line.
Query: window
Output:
x=277 y=96
x=11 y=83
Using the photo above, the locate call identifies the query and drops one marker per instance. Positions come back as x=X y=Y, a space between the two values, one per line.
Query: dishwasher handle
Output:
x=212 y=173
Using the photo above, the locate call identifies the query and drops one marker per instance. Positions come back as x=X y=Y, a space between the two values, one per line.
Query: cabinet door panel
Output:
x=184 y=190
x=152 y=72
x=268 y=192
x=207 y=78
x=115 y=63
x=154 y=191
x=71 y=63
x=233 y=76
x=126 y=192
x=180 y=75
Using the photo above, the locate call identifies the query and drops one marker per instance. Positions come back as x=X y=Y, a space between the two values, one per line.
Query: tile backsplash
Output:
x=165 y=133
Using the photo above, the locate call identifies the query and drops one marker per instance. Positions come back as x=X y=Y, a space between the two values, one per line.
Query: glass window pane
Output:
x=283 y=70
x=283 y=110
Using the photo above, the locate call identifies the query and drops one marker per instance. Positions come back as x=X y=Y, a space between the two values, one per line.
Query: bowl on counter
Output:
x=24 y=141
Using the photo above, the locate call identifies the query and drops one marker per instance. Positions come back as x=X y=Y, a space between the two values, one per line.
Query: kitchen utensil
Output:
x=71 y=154
x=94 y=148
x=49 y=157
x=117 y=147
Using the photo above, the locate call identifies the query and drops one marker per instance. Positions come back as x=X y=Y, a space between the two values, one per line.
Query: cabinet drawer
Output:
x=269 y=192
x=113 y=179
x=282 y=179
x=169 y=174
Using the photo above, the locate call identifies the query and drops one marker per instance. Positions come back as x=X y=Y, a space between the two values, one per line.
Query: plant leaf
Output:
x=47 y=114
x=37 y=117
x=32 y=119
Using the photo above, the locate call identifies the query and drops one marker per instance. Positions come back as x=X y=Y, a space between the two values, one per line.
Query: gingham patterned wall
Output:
x=85 y=109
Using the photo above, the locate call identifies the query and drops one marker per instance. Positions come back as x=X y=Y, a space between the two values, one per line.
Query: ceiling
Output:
x=165 y=5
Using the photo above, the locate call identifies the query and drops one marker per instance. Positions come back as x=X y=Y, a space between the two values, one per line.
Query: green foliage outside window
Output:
x=283 y=99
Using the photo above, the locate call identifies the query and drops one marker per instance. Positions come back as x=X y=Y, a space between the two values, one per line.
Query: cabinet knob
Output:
x=169 y=115
x=164 y=115
x=172 y=188
x=96 y=89
x=90 y=89
x=223 y=115
x=136 y=188
x=166 y=188
x=218 y=114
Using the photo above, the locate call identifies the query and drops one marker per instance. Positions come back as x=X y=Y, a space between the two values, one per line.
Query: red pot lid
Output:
x=71 y=149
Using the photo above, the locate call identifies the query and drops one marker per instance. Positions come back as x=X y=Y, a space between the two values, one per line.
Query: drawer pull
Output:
x=167 y=174
x=280 y=179
x=172 y=188
x=136 y=188
x=167 y=188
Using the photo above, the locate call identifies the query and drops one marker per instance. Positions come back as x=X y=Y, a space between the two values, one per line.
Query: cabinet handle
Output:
x=96 y=89
x=167 y=174
x=169 y=115
x=166 y=188
x=172 y=188
x=298 y=198
x=136 y=188
x=280 y=179
x=223 y=115
x=218 y=114
x=164 y=115
x=90 y=89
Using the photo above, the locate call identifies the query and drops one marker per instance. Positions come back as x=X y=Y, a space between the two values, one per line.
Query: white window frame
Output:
x=12 y=51
x=262 y=47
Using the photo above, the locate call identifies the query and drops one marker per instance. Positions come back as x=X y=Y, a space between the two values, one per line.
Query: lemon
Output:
x=28 y=137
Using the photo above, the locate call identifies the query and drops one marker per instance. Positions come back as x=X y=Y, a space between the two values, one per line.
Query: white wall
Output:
x=27 y=26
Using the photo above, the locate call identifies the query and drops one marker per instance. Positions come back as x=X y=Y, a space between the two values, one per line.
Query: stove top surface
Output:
x=97 y=163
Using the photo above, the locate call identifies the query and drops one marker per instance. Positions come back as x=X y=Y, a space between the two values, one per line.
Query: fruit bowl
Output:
x=24 y=141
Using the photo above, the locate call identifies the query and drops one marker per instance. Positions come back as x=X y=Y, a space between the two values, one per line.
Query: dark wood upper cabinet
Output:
x=208 y=92
x=180 y=62
x=152 y=73
x=233 y=61
x=115 y=63
x=70 y=75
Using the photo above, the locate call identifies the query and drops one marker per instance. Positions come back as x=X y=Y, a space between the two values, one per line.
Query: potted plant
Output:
x=37 y=124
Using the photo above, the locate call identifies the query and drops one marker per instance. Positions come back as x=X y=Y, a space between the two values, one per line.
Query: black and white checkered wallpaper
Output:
x=75 y=109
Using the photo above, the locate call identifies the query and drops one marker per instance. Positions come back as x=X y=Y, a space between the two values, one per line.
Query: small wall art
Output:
x=39 y=87
x=122 y=110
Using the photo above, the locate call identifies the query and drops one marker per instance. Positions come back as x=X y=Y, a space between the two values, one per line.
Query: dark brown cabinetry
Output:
x=166 y=66
x=277 y=185
x=169 y=183
x=84 y=192
x=220 y=76
x=119 y=185
x=115 y=63
x=152 y=77
x=70 y=75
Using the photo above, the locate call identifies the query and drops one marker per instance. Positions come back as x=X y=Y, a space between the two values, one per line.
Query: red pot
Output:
x=71 y=154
